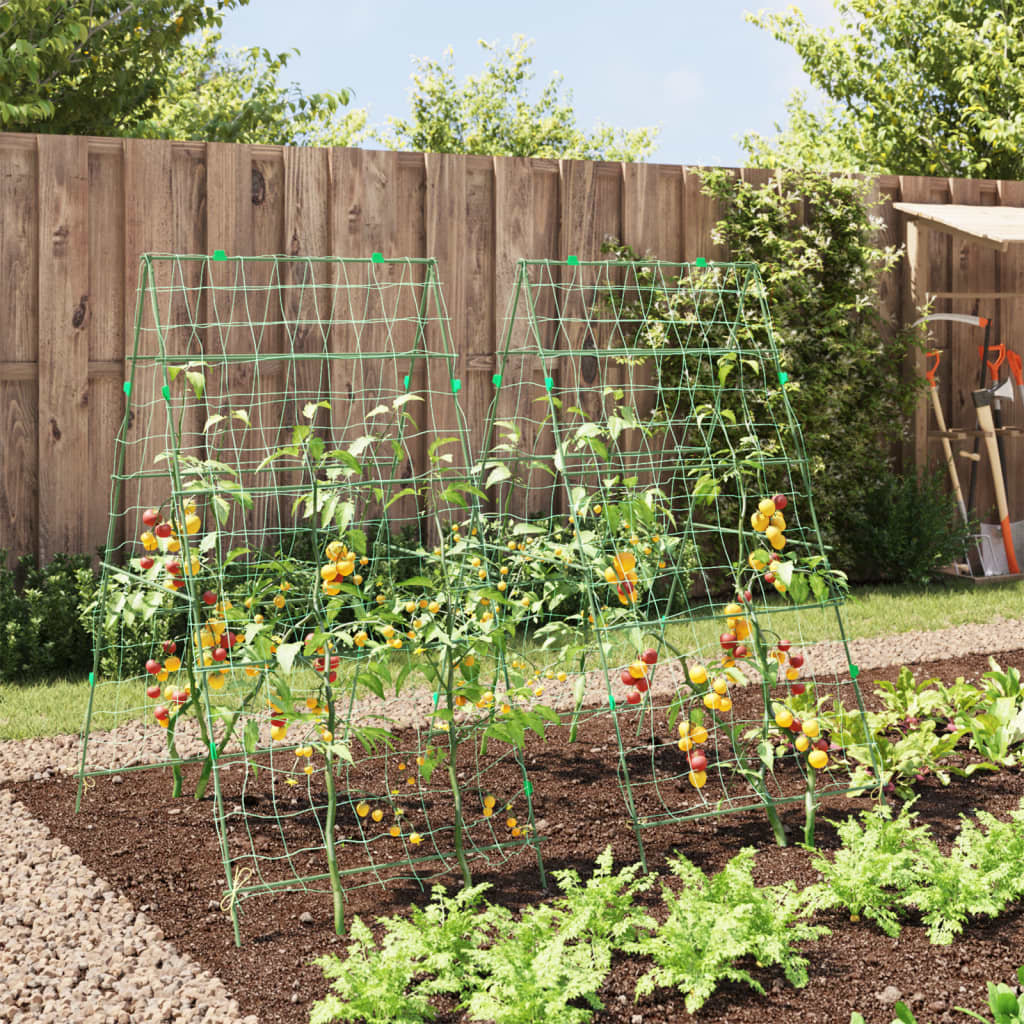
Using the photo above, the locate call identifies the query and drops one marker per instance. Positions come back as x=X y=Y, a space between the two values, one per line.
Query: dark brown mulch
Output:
x=163 y=855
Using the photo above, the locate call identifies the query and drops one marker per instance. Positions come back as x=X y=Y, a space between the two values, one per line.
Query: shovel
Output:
x=984 y=399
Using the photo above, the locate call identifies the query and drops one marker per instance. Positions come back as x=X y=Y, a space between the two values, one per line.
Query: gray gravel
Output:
x=73 y=951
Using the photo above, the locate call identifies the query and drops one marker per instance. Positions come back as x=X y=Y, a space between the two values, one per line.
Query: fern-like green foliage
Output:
x=375 y=983
x=370 y=984
x=715 y=922
x=560 y=953
x=879 y=857
x=981 y=876
x=502 y=968
x=888 y=865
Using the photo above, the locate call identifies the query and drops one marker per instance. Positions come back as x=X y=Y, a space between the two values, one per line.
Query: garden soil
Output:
x=113 y=915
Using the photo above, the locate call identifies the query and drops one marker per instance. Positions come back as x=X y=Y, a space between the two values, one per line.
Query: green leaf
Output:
x=221 y=509
x=197 y=382
x=497 y=474
x=251 y=736
x=286 y=655
x=799 y=590
x=417 y=581
x=439 y=442
x=212 y=421
x=310 y=408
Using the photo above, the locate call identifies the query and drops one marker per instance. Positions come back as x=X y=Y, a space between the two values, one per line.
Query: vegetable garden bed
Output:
x=162 y=855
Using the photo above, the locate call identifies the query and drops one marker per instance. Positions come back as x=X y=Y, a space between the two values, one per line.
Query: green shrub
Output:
x=905 y=527
x=812 y=237
x=41 y=631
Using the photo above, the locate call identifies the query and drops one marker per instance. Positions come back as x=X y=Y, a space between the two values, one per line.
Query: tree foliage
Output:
x=81 y=67
x=238 y=97
x=928 y=87
x=490 y=115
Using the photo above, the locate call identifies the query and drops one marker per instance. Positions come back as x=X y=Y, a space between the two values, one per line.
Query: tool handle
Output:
x=987 y=425
x=1016 y=365
x=1000 y=354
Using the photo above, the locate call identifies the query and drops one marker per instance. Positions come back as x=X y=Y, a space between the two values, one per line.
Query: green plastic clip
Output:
x=549 y=383
x=611 y=702
x=92 y=679
x=496 y=380
x=437 y=697
x=126 y=387
x=456 y=385
x=783 y=377
x=213 y=751
x=700 y=261
x=854 y=671
x=219 y=255
x=166 y=392
x=377 y=258
x=573 y=261
x=528 y=787
x=405 y=381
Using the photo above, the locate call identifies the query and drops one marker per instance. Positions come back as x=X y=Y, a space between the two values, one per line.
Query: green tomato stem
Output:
x=338 y=893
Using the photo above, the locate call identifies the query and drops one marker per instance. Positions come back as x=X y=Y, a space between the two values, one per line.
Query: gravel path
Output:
x=73 y=951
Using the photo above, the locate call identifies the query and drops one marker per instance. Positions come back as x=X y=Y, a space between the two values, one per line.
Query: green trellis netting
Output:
x=339 y=617
x=292 y=477
x=642 y=405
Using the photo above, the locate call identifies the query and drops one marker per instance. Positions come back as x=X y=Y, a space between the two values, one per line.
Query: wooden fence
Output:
x=75 y=213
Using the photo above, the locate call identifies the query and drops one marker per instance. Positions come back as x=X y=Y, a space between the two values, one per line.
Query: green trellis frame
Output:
x=644 y=402
x=262 y=390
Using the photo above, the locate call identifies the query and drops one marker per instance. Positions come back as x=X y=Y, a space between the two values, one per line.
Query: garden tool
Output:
x=984 y=398
x=940 y=419
x=998 y=354
x=972 y=320
x=1016 y=365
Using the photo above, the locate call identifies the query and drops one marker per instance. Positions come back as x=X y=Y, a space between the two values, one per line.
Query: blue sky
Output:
x=698 y=69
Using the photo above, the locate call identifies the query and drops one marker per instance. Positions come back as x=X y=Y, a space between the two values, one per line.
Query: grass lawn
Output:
x=53 y=707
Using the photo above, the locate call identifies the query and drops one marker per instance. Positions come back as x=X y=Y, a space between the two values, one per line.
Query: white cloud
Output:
x=683 y=87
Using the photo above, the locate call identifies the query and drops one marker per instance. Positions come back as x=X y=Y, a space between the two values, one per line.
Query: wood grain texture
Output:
x=63 y=425
x=106 y=333
x=477 y=215
x=19 y=345
x=446 y=226
x=972 y=266
x=229 y=385
x=526 y=196
x=148 y=227
x=1010 y=268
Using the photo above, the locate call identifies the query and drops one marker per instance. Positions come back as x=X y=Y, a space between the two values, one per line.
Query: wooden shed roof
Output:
x=993 y=226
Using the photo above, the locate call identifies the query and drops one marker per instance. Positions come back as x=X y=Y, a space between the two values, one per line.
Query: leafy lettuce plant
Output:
x=714 y=922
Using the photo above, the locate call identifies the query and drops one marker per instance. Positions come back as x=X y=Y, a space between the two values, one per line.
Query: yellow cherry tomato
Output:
x=784 y=718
